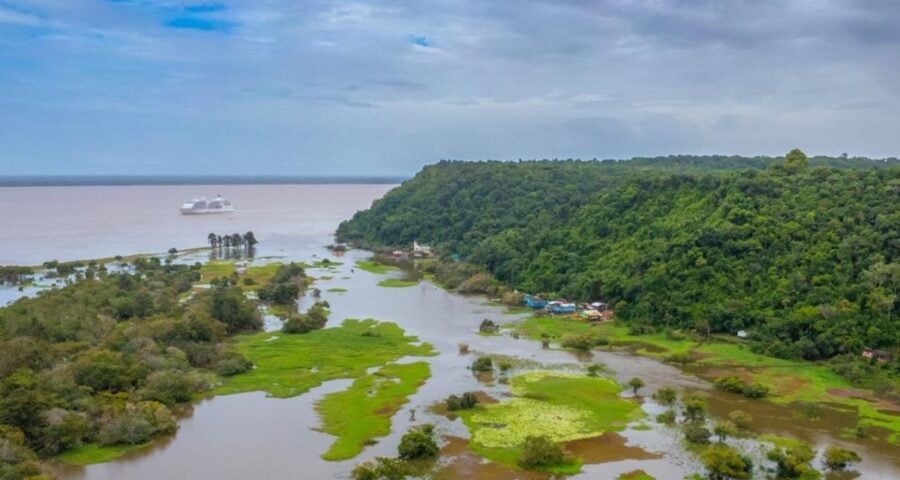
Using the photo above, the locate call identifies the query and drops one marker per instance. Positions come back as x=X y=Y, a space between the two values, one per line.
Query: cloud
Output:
x=386 y=86
x=16 y=17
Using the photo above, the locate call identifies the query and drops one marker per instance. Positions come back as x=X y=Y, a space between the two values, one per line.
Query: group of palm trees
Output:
x=246 y=241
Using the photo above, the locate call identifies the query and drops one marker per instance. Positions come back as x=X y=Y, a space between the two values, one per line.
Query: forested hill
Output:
x=806 y=256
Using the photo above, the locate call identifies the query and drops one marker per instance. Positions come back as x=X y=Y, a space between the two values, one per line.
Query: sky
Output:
x=384 y=87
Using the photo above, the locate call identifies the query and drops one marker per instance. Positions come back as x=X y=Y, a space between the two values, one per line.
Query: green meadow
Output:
x=375 y=267
x=397 y=283
x=94 y=453
x=290 y=364
x=363 y=412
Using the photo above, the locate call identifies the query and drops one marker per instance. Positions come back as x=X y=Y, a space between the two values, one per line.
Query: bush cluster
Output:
x=465 y=401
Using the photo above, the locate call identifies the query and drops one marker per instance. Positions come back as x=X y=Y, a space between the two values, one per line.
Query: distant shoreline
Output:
x=133 y=180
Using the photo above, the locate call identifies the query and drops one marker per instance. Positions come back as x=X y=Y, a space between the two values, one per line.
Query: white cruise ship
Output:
x=201 y=205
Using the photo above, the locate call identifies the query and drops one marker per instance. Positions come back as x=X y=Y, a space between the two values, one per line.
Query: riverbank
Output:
x=789 y=381
x=388 y=384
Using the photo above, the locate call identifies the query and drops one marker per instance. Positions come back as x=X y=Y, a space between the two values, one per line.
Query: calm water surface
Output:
x=75 y=223
x=252 y=436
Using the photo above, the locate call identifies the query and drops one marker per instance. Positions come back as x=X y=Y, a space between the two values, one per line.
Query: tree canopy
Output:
x=804 y=257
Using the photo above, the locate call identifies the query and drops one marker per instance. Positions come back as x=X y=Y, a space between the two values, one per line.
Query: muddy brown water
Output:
x=236 y=436
x=252 y=436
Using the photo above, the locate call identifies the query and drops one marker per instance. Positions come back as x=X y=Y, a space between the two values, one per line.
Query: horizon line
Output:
x=198 y=179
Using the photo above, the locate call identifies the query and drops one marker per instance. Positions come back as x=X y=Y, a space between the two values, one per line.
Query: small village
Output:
x=594 y=311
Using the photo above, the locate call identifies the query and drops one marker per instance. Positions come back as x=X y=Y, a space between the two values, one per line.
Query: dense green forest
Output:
x=103 y=360
x=801 y=252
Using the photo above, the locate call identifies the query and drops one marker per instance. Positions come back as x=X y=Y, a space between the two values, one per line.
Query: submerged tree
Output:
x=250 y=240
x=635 y=384
x=665 y=396
x=837 y=458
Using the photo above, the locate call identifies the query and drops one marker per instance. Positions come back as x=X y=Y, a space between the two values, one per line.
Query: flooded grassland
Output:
x=322 y=402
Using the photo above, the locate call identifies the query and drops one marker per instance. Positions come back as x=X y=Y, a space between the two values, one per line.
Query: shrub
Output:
x=63 y=430
x=793 y=462
x=418 y=443
x=595 y=370
x=640 y=329
x=667 y=417
x=280 y=293
x=488 y=326
x=676 y=334
x=725 y=429
x=740 y=419
x=837 y=458
x=300 y=323
x=680 y=358
x=172 y=386
x=125 y=429
x=694 y=408
x=696 y=433
x=229 y=306
x=381 y=468
x=735 y=384
x=665 y=396
x=467 y=401
x=483 y=364
x=233 y=366
x=811 y=410
x=730 y=383
x=135 y=424
x=756 y=390
x=540 y=451
x=478 y=283
x=105 y=370
x=579 y=341
x=314 y=319
x=724 y=462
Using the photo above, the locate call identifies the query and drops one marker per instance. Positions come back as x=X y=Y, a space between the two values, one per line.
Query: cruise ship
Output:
x=201 y=205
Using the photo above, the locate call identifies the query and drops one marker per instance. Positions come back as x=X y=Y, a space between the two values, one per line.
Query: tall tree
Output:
x=796 y=160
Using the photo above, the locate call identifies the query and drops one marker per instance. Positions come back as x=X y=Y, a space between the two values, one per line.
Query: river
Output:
x=252 y=436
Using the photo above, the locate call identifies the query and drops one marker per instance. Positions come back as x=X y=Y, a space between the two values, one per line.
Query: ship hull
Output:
x=205 y=211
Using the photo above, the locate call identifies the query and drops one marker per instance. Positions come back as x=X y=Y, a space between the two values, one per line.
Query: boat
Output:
x=201 y=205
x=559 y=306
x=535 y=302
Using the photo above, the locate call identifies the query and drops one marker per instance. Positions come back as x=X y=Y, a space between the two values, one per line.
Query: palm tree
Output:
x=236 y=239
x=250 y=240
x=213 y=240
x=227 y=239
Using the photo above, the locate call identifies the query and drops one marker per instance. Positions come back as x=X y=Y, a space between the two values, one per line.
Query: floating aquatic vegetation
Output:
x=562 y=406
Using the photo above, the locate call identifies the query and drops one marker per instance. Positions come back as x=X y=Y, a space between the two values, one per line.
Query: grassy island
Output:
x=560 y=406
